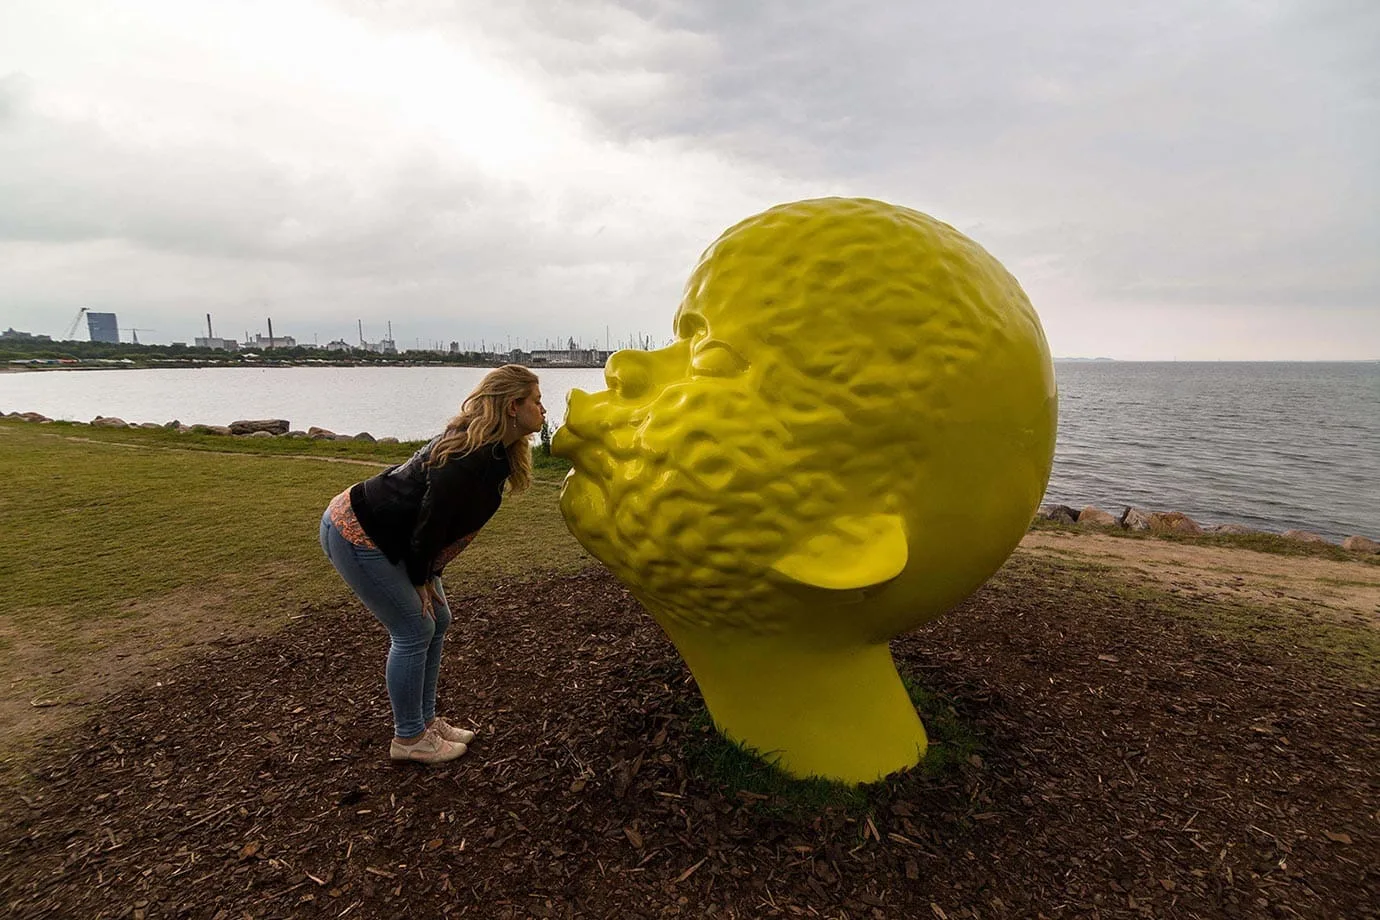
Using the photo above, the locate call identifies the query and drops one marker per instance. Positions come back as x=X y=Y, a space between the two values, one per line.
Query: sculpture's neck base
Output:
x=840 y=712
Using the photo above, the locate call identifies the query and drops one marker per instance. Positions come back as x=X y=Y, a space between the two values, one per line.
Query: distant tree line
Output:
x=12 y=350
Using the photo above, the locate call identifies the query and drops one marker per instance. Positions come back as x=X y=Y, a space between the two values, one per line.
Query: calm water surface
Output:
x=1271 y=445
x=402 y=402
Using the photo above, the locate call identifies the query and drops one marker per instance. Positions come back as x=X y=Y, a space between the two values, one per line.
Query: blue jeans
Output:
x=414 y=652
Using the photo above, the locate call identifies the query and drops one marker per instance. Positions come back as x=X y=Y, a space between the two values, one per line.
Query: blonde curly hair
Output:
x=482 y=420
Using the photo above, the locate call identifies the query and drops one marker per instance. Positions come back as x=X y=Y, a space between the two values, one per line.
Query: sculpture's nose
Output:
x=632 y=374
x=628 y=374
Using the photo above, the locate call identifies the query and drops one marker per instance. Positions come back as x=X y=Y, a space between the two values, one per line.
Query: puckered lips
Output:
x=581 y=440
x=573 y=438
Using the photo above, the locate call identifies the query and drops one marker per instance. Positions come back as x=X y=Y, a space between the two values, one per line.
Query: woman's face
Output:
x=530 y=413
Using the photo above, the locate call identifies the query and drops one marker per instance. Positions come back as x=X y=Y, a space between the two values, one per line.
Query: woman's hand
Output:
x=428 y=596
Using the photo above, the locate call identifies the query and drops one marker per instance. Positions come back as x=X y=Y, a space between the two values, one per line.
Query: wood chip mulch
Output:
x=1130 y=766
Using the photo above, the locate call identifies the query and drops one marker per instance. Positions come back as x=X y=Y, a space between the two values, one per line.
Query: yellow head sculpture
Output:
x=849 y=435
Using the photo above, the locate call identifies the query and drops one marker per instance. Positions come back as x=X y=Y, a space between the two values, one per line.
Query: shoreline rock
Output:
x=1174 y=522
x=1359 y=544
x=1134 y=518
x=1059 y=514
x=1096 y=517
x=272 y=426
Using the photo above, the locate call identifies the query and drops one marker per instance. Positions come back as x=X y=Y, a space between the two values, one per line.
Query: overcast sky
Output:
x=1167 y=179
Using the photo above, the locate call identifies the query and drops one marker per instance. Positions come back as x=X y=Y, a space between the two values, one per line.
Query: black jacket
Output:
x=412 y=512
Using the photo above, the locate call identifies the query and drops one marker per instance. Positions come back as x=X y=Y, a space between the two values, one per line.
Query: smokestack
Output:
x=270 y=332
x=361 y=331
x=209 y=333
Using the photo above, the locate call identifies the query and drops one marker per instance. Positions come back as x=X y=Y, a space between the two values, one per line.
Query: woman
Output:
x=389 y=537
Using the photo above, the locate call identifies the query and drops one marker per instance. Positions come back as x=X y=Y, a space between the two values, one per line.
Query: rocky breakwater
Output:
x=240 y=428
x=1176 y=522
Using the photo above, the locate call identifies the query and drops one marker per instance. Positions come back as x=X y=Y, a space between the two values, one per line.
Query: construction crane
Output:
x=134 y=334
x=72 y=329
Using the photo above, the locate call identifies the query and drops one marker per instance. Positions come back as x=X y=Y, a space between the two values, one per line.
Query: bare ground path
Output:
x=1134 y=763
x=1348 y=589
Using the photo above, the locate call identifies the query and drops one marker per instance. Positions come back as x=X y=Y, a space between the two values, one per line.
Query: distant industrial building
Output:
x=14 y=335
x=338 y=345
x=103 y=327
x=213 y=341
x=383 y=347
x=570 y=355
x=271 y=341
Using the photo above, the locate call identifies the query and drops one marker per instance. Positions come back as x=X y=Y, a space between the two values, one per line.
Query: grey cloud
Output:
x=1222 y=153
x=72 y=182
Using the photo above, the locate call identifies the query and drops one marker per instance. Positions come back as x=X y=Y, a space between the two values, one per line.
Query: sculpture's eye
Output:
x=691 y=326
x=713 y=358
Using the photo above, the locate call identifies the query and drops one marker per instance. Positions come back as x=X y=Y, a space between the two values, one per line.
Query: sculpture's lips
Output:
x=577 y=429
x=597 y=433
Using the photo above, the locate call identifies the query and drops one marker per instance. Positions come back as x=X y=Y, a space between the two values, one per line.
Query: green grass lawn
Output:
x=122 y=519
x=126 y=548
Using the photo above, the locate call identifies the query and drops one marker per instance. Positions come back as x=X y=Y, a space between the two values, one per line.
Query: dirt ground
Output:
x=1350 y=590
x=1131 y=764
x=52 y=678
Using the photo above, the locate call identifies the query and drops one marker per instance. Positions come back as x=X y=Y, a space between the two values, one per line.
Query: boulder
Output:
x=259 y=434
x=1174 y=522
x=1357 y=544
x=296 y=434
x=216 y=429
x=364 y=436
x=324 y=434
x=149 y=425
x=388 y=440
x=175 y=424
x=34 y=417
x=1095 y=517
x=1059 y=514
x=249 y=426
x=101 y=421
x=1229 y=528
x=1303 y=536
x=1135 y=518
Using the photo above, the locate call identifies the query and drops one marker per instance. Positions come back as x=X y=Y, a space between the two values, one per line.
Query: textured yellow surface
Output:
x=849 y=435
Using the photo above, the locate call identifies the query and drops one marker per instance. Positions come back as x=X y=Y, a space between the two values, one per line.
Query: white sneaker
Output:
x=451 y=733
x=431 y=749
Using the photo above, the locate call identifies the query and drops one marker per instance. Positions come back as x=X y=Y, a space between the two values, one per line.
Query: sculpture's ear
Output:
x=853 y=553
